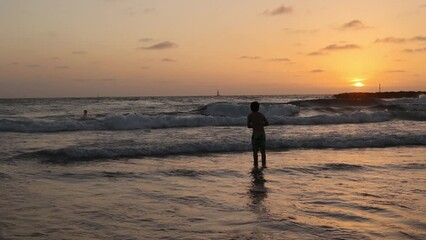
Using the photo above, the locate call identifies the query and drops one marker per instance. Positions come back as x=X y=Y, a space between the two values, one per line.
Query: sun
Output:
x=359 y=84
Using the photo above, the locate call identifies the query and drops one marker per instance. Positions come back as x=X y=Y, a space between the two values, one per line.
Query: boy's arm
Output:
x=265 y=121
x=249 y=124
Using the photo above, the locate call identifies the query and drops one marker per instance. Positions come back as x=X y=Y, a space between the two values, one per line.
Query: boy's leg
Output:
x=263 y=152
x=255 y=149
x=255 y=158
x=262 y=149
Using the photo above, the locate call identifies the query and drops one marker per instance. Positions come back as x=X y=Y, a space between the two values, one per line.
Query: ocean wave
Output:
x=421 y=100
x=242 y=110
x=139 y=150
x=401 y=108
x=417 y=115
x=340 y=167
x=41 y=125
x=192 y=173
x=315 y=169
x=409 y=166
x=138 y=121
x=328 y=102
x=4 y=176
x=353 y=117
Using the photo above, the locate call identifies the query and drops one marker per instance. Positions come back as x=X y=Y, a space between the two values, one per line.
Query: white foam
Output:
x=38 y=125
x=242 y=110
x=354 y=117
x=139 y=121
x=136 y=121
x=188 y=146
x=411 y=104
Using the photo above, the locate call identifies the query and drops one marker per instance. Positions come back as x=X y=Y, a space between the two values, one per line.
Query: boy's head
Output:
x=254 y=106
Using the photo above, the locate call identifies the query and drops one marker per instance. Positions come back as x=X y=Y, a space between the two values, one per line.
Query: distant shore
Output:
x=369 y=95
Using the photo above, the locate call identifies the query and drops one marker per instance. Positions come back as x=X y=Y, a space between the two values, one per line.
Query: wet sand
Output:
x=303 y=194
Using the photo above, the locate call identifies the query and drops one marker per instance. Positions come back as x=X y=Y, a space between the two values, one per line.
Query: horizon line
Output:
x=212 y=95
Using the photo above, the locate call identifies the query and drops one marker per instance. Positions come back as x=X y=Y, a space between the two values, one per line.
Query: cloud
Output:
x=161 y=46
x=395 y=71
x=279 y=60
x=316 y=71
x=52 y=34
x=15 y=63
x=316 y=53
x=145 y=40
x=415 y=50
x=149 y=10
x=249 y=57
x=419 y=38
x=334 y=47
x=34 y=66
x=144 y=67
x=168 y=60
x=112 y=1
x=299 y=31
x=104 y=80
x=353 y=25
x=79 y=52
x=62 y=67
x=401 y=40
x=278 y=11
x=390 y=40
x=130 y=11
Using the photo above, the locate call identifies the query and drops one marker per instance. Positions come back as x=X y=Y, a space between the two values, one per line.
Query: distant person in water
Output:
x=84 y=117
x=257 y=121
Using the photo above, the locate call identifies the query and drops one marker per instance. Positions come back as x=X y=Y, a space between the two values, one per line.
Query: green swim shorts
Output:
x=258 y=140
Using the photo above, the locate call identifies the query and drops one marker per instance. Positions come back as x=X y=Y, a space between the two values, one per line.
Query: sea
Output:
x=182 y=168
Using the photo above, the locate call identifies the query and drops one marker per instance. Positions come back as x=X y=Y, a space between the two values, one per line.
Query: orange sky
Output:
x=63 y=48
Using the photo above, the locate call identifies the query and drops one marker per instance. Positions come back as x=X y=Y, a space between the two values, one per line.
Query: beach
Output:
x=311 y=194
x=182 y=168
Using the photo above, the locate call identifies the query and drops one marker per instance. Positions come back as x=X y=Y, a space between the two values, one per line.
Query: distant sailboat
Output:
x=217 y=94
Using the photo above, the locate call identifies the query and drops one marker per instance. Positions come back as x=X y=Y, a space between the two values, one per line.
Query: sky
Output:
x=89 y=48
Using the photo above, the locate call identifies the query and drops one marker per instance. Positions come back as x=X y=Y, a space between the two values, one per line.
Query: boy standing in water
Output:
x=257 y=121
x=84 y=117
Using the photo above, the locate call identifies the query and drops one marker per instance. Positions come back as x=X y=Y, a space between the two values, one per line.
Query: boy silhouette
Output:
x=257 y=121
x=84 y=117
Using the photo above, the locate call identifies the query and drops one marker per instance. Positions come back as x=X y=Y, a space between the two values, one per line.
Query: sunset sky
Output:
x=79 y=48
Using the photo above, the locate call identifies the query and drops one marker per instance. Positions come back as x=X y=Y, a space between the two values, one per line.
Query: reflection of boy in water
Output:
x=258 y=191
x=257 y=121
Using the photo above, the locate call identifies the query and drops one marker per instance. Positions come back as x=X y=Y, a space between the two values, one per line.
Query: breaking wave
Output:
x=124 y=150
x=242 y=110
x=303 y=112
x=139 y=121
